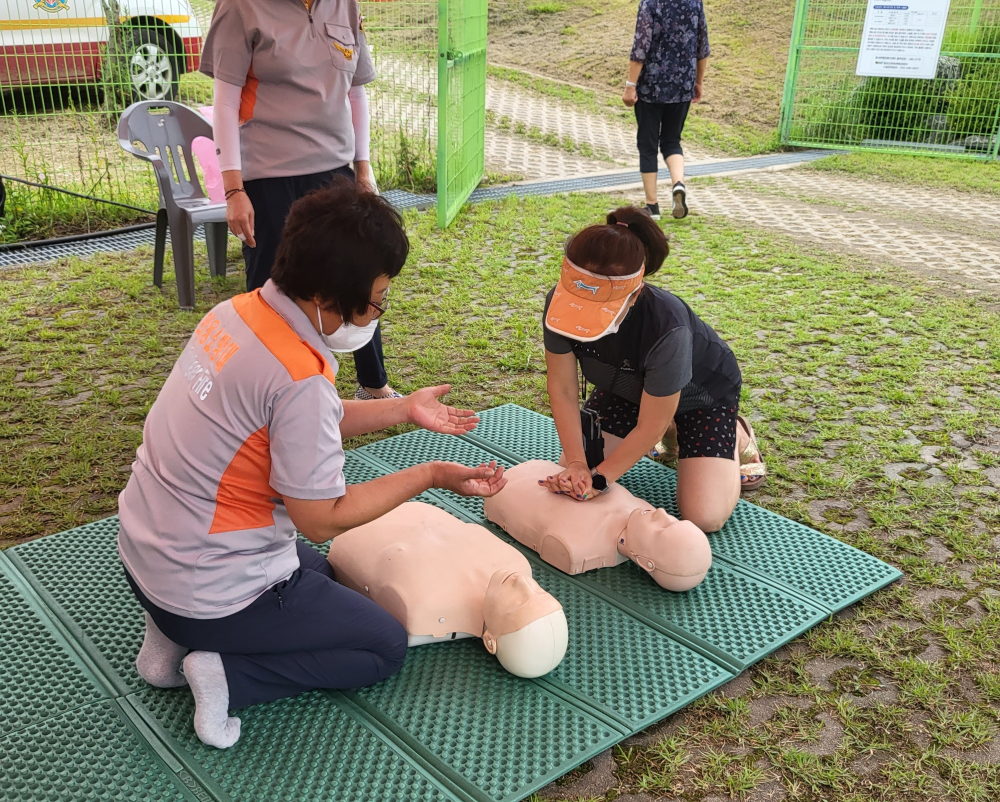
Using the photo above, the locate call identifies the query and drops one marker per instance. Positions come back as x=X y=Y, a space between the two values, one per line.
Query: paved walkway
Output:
x=953 y=236
x=592 y=140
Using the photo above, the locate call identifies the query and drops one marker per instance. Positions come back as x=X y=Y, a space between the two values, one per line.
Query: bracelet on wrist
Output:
x=233 y=191
x=629 y=84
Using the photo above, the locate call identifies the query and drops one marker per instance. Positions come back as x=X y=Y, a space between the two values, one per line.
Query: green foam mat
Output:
x=79 y=575
x=500 y=737
x=39 y=676
x=660 y=675
x=452 y=725
x=734 y=618
x=91 y=753
x=305 y=749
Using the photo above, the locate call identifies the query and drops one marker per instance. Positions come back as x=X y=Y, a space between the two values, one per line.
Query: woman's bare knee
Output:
x=707 y=517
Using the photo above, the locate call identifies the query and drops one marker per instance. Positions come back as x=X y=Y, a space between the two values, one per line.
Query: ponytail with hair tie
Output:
x=601 y=250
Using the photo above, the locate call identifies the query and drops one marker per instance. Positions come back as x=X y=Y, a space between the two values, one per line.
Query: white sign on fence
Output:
x=902 y=39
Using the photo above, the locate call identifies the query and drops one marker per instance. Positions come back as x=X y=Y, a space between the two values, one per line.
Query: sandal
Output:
x=663 y=453
x=752 y=467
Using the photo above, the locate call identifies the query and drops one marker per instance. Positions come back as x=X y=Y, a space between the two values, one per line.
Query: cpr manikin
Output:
x=443 y=579
x=578 y=536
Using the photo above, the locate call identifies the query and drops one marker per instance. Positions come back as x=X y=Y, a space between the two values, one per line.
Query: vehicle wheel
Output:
x=150 y=67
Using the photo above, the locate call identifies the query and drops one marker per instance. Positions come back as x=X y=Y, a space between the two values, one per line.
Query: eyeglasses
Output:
x=382 y=307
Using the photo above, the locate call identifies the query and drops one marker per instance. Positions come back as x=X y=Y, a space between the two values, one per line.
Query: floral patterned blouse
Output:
x=671 y=36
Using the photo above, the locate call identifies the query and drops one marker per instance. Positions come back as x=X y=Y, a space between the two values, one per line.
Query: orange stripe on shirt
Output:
x=248 y=97
x=244 y=497
x=299 y=358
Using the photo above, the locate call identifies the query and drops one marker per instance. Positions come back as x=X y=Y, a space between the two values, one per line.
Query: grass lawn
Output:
x=875 y=398
x=921 y=171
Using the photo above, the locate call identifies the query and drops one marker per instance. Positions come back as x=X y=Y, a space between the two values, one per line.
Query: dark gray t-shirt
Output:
x=662 y=348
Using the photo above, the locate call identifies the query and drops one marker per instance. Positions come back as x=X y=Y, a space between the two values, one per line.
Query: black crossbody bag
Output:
x=590 y=419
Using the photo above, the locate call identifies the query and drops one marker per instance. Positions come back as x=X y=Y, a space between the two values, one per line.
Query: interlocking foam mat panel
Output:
x=76 y=722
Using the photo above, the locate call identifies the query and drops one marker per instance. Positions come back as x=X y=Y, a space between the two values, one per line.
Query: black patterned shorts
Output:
x=700 y=433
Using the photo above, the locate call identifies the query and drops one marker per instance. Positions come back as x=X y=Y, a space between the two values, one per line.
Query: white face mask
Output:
x=347 y=338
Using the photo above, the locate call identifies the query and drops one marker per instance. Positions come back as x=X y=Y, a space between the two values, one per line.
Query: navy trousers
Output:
x=304 y=633
x=272 y=198
x=659 y=124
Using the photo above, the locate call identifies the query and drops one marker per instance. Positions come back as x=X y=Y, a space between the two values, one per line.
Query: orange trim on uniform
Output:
x=248 y=97
x=299 y=358
x=244 y=498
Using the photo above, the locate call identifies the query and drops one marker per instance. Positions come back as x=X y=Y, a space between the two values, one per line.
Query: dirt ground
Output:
x=587 y=42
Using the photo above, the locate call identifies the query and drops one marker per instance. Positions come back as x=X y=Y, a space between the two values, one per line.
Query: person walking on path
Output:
x=290 y=113
x=665 y=75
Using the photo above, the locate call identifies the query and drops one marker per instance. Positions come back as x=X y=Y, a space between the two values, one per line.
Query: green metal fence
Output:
x=403 y=100
x=68 y=68
x=461 y=103
x=955 y=113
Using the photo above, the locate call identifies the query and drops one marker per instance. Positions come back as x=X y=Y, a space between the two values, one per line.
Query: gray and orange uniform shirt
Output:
x=296 y=62
x=248 y=415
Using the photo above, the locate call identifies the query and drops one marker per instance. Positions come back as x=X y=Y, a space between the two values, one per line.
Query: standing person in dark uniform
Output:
x=665 y=75
x=290 y=113
x=652 y=361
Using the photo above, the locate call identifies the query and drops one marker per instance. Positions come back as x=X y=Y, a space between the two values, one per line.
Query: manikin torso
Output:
x=444 y=579
x=577 y=536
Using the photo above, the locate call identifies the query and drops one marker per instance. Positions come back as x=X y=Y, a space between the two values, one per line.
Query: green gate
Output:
x=461 y=103
x=956 y=113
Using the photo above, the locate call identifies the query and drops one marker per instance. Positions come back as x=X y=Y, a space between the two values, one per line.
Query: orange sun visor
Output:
x=586 y=306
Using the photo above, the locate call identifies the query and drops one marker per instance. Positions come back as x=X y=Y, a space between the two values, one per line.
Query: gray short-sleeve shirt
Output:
x=296 y=66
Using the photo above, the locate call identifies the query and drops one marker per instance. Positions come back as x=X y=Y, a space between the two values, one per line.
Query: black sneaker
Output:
x=680 y=201
x=654 y=210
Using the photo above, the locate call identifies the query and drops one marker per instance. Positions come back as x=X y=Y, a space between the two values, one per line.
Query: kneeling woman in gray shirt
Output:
x=244 y=446
x=652 y=361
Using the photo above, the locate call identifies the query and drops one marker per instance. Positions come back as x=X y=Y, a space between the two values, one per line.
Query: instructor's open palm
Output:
x=426 y=411
x=485 y=480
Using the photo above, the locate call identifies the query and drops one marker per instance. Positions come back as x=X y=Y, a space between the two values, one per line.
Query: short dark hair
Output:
x=620 y=246
x=335 y=243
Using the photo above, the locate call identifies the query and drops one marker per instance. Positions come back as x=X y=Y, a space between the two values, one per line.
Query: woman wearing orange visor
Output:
x=652 y=361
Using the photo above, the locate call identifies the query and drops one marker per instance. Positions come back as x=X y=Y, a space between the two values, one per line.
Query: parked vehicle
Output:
x=65 y=42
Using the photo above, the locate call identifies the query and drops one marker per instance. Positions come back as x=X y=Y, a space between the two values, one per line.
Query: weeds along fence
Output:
x=68 y=68
x=956 y=113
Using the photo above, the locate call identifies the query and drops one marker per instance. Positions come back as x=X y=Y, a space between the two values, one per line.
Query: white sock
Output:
x=207 y=678
x=159 y=659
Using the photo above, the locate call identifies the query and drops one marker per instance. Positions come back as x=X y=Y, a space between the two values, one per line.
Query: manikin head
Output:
x=525 y=626
x=675 y=553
